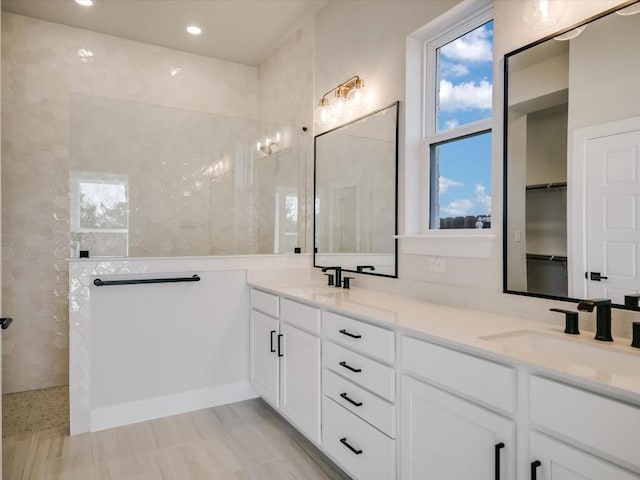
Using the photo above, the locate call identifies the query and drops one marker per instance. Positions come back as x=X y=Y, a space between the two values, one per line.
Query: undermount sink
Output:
x=576 y=352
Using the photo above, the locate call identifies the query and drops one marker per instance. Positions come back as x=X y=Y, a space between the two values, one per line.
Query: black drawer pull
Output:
x=353 y=402
x=280 y=345
x=498 y=447
x=534 y=469
x=271 y=349
x=349 y=367
x=352 y=335
x=346 y=444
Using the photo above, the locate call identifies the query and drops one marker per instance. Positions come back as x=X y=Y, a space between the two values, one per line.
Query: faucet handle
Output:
x=570 y=319
x=345 y=282
x=635 y=334
x=330 y=279
x=632 y=300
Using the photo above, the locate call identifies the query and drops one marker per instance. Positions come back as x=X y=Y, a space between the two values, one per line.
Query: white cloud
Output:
x=482 y=198
x=449 y=124
x=475 y=46
x=465 y=96
x=448 y=69
x=458 y=208
x=444 y=184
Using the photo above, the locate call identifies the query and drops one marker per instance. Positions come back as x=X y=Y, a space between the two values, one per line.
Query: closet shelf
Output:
x=547 y=186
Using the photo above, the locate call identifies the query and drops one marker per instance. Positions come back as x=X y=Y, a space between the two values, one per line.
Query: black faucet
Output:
x=603 y=316
x=338 y=270
x=360 y=268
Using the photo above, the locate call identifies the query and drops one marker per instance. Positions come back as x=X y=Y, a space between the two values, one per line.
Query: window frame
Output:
x=452 y=27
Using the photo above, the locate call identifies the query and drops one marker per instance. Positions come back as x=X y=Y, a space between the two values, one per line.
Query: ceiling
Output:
x=243 y=31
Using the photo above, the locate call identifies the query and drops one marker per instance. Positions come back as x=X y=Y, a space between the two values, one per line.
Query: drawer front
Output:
x=376 y=457
x=480 y=379
x=300 y=315
x=607 y=425
x=265 y=302
x=374 y=376
x=363 y=403
x=366 y=338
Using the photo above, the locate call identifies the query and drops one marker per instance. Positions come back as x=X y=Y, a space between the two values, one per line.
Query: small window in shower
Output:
x=99 y=213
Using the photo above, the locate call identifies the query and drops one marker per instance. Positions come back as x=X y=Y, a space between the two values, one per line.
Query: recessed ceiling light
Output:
x=194 y=30
x=84 y=3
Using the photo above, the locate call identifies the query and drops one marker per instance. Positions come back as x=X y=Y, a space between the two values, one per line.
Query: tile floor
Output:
x=35 y=410
x=242 y=441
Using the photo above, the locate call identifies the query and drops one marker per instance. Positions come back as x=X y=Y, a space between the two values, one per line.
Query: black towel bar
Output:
x=100 y=283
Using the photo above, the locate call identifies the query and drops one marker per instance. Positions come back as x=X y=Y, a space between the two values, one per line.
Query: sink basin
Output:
x=580 y=355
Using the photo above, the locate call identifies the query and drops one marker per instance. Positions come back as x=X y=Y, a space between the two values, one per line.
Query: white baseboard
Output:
x=167 y=405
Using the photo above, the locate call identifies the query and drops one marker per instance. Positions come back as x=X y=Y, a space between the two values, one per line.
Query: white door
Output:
x=613 y=216
x=264 y=356
x=446 y=438
x=558 y=461
x=300 y=380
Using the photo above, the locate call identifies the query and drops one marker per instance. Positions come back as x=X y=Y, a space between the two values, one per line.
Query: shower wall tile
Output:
x=41 y=72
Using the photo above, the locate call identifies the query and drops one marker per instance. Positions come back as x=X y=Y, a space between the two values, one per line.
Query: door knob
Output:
x=596 y=277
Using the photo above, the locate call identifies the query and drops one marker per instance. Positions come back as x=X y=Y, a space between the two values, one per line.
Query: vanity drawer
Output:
x=265 y=302
x=374 y=376
x=374 y=456
x=598 y=422
x=361 y=402
x=475 y=377
x=366 y=338
x=300 y=315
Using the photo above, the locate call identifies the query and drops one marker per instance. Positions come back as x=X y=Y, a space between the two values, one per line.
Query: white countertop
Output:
x=464 y=329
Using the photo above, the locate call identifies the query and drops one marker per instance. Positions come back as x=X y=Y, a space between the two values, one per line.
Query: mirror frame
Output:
x=315 y=166
x=505 y=162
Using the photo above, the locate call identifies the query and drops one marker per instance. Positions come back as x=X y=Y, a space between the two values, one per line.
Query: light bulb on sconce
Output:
x=269 y=144
x=543 y=13
x=632 y=9
x=349 y=95
x=571 y=34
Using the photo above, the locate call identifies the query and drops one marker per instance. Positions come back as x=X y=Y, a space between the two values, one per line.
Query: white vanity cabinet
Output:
x=285 y=358
x=447 y=437
x=358 y=405
x=584 y=421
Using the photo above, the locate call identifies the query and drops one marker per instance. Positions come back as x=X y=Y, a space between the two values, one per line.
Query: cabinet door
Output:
x=446 y=438
x=300 y=380
x=264 y=356
x=559 y=461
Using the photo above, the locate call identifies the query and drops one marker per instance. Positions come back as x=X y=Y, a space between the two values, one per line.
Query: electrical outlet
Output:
x=517 y=236
x=436 y=264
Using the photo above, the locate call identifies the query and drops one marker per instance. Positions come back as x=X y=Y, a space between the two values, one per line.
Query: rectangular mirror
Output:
x=572 y=162
x=356 y=195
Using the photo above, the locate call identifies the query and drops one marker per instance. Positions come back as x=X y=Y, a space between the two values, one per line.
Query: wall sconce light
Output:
x=269 y=144
x=632 y=9
x=349 y=95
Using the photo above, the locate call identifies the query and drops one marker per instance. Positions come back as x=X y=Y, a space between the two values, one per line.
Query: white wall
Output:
x=369 y=39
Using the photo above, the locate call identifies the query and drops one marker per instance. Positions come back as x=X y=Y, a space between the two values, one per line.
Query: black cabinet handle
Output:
x=346 y=444
x=353 y=402
x=498 y=447
x=280 y=345
x=271 y=349
x=352 y=335
x=5 y=322
x=349 y=367
x=534 y=469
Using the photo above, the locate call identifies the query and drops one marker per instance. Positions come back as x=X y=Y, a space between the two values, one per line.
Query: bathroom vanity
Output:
x=390 y=387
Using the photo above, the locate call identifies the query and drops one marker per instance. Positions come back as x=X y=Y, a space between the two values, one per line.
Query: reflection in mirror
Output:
x=572 y=163
x=356 y=195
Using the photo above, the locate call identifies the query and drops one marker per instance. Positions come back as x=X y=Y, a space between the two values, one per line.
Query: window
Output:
x=458 y=114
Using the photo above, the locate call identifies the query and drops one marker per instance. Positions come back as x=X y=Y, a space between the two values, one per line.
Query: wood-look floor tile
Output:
x=174 y=431
x=122 y=442
x=192 y=462
x=15 y=453
x=303 y=461
x=56 y=442
x=249 y=445
x=76 y=467
x=126 y=466
x=276 y=470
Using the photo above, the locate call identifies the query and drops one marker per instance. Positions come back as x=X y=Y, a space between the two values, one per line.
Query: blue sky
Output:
x=465 y=76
